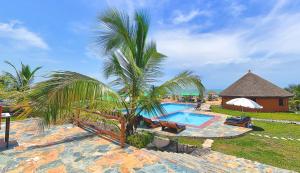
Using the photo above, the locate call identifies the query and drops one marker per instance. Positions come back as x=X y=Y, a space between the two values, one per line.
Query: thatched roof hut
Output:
x=265 y=93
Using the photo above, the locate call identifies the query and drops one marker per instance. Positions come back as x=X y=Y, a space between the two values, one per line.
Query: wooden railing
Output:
x=96 y=128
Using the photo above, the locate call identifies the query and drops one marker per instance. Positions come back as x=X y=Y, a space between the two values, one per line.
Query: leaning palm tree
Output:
x=22 y=79
x=132 y=61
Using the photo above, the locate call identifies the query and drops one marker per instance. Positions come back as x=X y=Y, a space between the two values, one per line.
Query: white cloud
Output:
x=263 y=40
x=80 y=27
x=16 y=32
x=131 y=5
x=236 y=9
x=183 y=18
x=93 y=52
x=187 y=49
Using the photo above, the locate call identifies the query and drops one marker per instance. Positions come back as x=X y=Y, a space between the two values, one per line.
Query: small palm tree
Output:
x=133 y=62
x=22 y=79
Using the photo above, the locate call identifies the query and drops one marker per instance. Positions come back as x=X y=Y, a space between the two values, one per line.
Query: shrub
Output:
x=140 y=140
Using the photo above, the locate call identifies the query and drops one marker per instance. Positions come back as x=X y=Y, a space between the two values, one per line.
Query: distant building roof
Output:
x=251 y=85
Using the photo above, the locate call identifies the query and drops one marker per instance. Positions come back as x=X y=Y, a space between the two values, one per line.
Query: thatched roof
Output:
x=251 y=85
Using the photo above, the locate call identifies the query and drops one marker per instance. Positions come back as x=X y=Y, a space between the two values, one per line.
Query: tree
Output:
x=22 y=79
x=295 y=100
x=133 y=62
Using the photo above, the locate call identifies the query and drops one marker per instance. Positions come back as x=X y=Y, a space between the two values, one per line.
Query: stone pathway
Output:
x=275 y=137
x=67 y=148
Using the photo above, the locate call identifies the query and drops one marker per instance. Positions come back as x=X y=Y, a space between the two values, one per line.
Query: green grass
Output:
x=191 y=141
x=276 y=152
x=274 y=116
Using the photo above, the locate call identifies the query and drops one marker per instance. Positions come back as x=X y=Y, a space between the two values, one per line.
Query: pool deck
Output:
x=67 y=148
x=211 y=129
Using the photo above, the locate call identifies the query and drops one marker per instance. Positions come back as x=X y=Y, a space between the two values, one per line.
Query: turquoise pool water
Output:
x=187 y=118
x=170 y=108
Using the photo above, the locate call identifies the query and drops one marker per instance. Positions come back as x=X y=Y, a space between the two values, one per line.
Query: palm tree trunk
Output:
x=132 y=115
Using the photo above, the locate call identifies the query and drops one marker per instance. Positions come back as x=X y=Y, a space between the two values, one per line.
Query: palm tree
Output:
x=22 y=79
x=132 y=61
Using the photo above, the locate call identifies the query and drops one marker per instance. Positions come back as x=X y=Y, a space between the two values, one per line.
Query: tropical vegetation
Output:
x=134 y=64
x=21 y=80
x=140 y=140
x=294 y=102
x=15 y=87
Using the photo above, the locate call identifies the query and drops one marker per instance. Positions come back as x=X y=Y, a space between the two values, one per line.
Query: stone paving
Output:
x=275 y=137
x=215 y=129
x=67 y=148
x=277 y=121
x=218 y=162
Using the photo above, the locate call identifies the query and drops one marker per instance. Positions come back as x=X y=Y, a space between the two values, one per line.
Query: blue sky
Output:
x=218 y=40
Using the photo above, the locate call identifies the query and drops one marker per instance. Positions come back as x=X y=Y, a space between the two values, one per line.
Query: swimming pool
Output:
x=187 y=118
x=169 y=108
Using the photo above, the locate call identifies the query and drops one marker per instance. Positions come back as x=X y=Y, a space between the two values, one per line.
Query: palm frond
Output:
x=182 y=81
x=117 y=32
x=152 y=63
x=65 y=90
x=141 y=31
x=150 y=103
x=18 y=76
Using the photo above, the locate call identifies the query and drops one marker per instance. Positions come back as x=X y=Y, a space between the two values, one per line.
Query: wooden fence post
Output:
x=123 y=136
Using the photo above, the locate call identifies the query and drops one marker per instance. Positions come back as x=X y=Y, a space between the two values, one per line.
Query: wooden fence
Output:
x=98 y=129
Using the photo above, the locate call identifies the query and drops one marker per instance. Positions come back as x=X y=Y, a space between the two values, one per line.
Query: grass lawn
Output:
x=274 y=116
x=276 y=152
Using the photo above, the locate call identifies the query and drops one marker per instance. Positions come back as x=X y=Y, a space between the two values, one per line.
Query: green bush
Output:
x=140 y=140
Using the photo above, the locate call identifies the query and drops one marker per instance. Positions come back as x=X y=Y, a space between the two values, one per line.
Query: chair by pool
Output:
x=238 y=121
x=150 y=123
x=172 y=126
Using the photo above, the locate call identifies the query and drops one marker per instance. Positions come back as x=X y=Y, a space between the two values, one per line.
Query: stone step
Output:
x=204 y=162
x=196 y=163
x=215 y=162
x=200 y=163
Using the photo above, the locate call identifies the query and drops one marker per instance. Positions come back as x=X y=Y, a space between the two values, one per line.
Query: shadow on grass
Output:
x=256 y=128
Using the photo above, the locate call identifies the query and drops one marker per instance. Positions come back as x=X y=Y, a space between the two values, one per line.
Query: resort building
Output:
x=251 y=86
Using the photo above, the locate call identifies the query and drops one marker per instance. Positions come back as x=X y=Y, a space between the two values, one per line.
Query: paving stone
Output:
x=207 y=143
x=67 y=148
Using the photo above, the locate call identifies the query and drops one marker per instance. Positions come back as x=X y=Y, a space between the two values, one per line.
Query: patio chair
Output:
x=151 y=124
x=171 y=126
x=238 y=121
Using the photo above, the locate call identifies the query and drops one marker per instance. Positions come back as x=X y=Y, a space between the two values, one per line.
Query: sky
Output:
x=219 y=40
